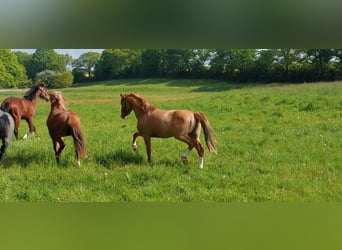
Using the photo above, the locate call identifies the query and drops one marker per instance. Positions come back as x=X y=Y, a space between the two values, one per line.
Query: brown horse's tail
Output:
x=77 y=134
x=208 y=131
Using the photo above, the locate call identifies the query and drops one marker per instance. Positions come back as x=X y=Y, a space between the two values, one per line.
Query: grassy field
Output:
x=275 y=143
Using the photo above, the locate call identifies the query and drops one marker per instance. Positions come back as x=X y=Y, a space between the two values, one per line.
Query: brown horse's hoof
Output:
x=135 y=148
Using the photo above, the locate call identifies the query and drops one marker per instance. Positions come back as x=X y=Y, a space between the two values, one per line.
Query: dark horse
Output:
x=6 y=130
x=62 y=122
x=183 y=125
x=25 y=107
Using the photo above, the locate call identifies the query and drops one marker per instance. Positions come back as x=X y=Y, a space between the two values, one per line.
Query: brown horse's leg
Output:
x=16 y=126
x=147 y=140
x=32 y=128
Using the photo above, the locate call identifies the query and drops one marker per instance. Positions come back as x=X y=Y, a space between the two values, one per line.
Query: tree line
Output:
x=20 y=69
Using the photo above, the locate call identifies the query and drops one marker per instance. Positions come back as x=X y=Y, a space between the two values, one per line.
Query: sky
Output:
x=75 y=53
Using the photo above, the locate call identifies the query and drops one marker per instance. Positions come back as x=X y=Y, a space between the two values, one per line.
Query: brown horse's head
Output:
x=43 y=92
x=126 y=107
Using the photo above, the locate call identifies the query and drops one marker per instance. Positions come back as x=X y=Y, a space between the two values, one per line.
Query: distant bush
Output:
x=63 y=79
x=47 y=77
x=55 y=80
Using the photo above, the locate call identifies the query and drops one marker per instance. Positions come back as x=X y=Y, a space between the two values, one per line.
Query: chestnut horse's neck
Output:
x=139 y=105
x=58 y=105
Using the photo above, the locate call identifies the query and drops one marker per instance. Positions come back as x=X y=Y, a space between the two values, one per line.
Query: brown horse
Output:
x=62 y=122
x=25 y=107
x=183 y=125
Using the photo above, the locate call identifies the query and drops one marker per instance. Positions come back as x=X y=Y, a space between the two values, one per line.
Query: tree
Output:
x=46 y=76
x=116 y=63
x=63 y=79
x=47 y=59
x=175 y=62
x=12 y=73
x=86 y=63
x=199 y=62
x=285 y=58
x=233 y=64
x=320 y=59
x=54 y=79
x=151 y=60
x=23 y=58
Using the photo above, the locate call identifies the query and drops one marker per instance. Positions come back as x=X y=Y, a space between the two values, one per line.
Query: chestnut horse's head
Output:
x=57 y=100
x=126 y=107
x=43 y=92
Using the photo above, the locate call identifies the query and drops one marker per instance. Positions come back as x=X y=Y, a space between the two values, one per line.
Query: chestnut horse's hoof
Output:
x=185 y=160
x=135 y=148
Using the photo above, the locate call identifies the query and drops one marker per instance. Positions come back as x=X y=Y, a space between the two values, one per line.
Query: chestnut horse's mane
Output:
x=144 y=105
x=59 y=98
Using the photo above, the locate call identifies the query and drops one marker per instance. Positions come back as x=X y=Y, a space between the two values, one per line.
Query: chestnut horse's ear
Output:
x=120 y=95
x=42 y=84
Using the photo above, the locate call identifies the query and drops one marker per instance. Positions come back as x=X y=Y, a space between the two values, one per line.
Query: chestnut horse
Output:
x=62 y=122
x=6 y=130
x=183 y=125
x=25 y=107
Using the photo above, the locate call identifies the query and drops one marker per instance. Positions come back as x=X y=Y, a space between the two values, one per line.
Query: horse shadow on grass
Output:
x=119 y=158
x=23 y=161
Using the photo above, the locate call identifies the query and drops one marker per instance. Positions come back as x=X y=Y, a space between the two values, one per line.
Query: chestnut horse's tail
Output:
x=77 y=134
x=208 y=131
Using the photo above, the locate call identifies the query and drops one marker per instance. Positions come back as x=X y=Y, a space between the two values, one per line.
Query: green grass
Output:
x=275 y=143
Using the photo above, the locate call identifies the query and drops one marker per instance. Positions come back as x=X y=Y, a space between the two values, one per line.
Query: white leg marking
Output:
x=200 y=165
x=185 y=154
x=25 y=136
x=79 y=163
x=135 y=146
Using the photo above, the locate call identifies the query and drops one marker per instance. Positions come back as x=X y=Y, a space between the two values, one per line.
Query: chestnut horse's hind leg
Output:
x=58 y=146
x=78 y=158
x=192 y=143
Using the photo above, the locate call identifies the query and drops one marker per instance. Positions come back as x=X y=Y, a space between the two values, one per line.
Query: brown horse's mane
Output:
x=145 y=107
x=31 y=93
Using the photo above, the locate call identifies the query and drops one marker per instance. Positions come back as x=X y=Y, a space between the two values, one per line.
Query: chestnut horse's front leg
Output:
x=147 y=140
x=134 y=142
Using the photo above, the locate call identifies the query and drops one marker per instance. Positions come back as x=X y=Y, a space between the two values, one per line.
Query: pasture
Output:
x=275 y=143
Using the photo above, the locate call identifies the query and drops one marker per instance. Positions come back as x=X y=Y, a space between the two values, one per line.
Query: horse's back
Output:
x=60 y=123
x=167 y=123
x=12 y=104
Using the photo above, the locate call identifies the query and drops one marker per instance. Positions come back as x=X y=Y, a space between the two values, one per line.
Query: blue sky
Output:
x=75 y=53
